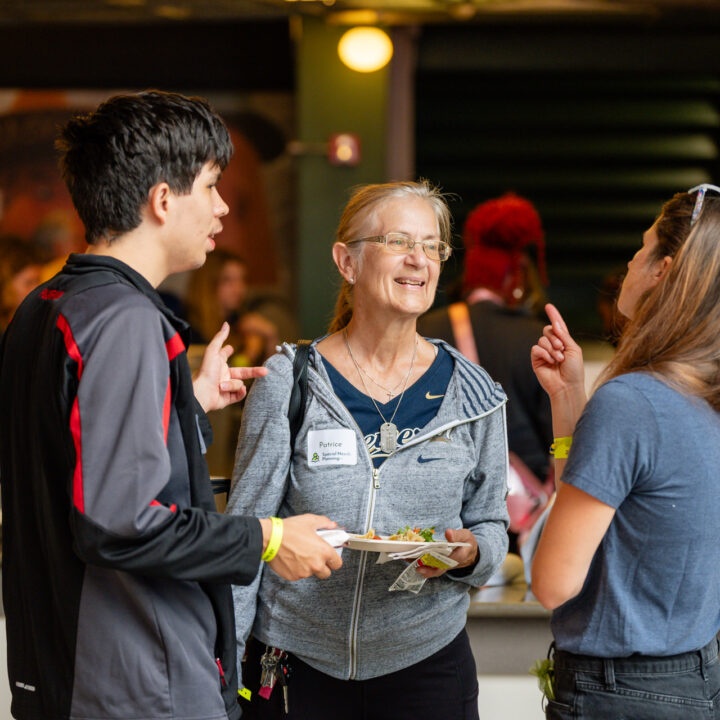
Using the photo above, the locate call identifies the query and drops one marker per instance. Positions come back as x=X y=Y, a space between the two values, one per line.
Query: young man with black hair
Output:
x=116 y=568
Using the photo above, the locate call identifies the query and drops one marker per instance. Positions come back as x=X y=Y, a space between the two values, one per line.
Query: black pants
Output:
x=441 y=687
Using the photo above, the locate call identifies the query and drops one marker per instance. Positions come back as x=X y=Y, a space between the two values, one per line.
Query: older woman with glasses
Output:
x=627 y=557
x=398 y=430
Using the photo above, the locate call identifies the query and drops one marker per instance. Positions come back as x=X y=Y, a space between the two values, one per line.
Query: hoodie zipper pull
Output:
x=376 y=482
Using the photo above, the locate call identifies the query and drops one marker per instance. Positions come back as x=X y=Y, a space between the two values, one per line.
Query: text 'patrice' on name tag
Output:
x=332 y=447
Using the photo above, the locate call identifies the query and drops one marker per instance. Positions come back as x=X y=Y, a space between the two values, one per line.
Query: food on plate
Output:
x=370 y=535
x=406 y=534
x=416 y=534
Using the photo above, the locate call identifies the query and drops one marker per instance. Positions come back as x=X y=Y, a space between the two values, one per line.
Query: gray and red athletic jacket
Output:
x=116 y=568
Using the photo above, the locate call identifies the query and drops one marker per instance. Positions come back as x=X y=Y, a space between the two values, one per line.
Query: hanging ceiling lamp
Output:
x=365 y=49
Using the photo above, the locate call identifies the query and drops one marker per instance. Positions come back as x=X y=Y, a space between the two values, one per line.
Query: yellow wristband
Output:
x=561 y=447
x=276 y=535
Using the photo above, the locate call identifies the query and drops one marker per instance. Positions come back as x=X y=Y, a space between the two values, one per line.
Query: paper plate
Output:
x=396 y=546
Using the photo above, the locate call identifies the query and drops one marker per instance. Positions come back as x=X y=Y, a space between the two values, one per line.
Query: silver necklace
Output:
x=390 y=393
x=388 y=430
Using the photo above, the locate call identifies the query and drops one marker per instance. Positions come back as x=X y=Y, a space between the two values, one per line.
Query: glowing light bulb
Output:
x=365 y=49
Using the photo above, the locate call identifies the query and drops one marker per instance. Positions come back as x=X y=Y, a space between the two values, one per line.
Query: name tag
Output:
x=332 y=447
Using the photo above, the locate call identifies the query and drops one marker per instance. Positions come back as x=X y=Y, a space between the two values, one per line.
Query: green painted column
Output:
x=331 y=98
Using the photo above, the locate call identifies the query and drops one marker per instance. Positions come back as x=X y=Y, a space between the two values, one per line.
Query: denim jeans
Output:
x=640 y=687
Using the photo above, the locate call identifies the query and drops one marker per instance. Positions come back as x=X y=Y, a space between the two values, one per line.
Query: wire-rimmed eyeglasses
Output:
x=701 y=191
x=402 y=244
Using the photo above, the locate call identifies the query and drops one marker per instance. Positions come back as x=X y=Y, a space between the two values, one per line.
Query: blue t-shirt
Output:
x=653 y=587
x=418 y=407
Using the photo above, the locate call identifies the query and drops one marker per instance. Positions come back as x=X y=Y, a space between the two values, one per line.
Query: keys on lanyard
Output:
x=268 y=676
x=275 y=668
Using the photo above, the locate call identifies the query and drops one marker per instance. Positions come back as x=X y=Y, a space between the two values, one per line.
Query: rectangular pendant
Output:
x=388 y=437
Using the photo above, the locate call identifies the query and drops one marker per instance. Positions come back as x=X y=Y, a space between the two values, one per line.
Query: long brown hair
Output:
x=358 y=213
x=203 y=308
x=675 y=330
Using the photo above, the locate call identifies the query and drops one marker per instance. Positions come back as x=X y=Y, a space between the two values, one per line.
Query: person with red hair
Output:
x=495 y=327
x=497 y=236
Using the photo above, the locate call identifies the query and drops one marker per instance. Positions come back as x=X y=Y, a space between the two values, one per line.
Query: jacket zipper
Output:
x=355 y=619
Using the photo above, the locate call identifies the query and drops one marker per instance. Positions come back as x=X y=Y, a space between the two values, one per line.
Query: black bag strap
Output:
x=296 y=408
x=298 y=395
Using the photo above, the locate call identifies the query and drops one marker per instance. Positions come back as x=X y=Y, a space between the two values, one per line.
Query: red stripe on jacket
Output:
x=51 y=294
x=75 y=424
x=174 y=346
x=155 y=503
x=166 y=411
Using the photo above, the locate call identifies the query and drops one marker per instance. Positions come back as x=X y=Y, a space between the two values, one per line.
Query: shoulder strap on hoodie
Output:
x=296 y=408
x=298 y=395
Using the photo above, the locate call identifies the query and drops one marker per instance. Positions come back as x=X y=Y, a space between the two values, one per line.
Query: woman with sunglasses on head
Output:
x=420 y=439
x=627 y=557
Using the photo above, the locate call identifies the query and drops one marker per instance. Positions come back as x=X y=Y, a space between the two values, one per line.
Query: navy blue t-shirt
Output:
x=653 y=454
x=418 y=407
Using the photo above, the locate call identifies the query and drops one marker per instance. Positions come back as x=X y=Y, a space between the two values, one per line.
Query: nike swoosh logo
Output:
x=424 y=460
x=428 y=396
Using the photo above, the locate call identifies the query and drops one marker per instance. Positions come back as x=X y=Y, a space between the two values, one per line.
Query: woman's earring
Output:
x=351 y=280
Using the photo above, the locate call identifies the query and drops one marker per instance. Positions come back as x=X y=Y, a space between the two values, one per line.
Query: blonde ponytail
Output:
x=343 y=308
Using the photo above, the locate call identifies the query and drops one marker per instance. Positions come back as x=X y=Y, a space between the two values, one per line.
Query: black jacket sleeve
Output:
x=121 y=421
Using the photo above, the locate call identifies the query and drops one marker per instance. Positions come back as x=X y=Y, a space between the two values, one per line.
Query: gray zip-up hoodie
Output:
x=350 y=626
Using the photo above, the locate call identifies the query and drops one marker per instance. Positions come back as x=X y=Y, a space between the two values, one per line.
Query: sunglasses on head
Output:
x=701 y=191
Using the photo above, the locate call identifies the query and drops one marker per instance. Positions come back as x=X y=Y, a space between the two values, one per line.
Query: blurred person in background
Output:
x=20 y=273
x=495 y=326
x=55 y=241
x=217 y=293
x=626 y=558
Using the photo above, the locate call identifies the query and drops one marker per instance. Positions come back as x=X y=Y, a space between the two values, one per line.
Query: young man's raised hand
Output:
x=216 y=384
